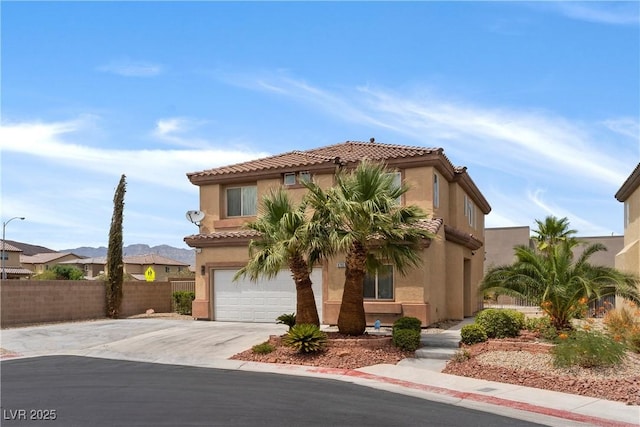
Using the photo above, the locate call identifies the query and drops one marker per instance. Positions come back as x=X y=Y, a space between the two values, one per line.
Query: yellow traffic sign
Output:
x=150 y=275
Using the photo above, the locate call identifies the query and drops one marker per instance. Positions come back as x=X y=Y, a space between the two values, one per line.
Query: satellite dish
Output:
x=195 y=216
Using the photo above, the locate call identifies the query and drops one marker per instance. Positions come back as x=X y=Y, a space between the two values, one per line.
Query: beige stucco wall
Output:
x=432 y=292
x=628 y=259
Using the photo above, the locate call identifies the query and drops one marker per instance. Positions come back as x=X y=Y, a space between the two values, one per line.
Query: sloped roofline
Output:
x=630 y=185
x=342 y=155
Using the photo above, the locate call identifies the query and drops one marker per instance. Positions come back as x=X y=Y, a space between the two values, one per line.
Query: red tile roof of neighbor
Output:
x=342 y=153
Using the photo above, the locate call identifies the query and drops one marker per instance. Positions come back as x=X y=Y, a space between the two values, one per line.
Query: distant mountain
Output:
x=187 y=256
x=30 y=250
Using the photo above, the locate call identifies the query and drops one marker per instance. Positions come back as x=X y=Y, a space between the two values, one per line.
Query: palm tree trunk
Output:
x=351 y=319
x=306 y=310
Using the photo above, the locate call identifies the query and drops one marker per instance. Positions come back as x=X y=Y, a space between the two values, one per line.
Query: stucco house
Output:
x=39 y=263
x=443 y=287
x=628 y=259
x=11 y=262
x=136 y=265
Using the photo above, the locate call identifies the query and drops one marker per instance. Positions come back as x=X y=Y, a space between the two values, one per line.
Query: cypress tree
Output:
x=115 y=268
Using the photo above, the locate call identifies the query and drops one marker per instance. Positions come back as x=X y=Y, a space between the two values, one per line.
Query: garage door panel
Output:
x=261 y=301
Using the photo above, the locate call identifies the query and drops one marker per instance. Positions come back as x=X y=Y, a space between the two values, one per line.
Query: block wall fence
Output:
x=36 y=301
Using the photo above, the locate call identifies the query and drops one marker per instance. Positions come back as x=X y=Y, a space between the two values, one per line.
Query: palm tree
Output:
x=284 y=242
x=362 y=218
x=552 y=231
x=561 y=286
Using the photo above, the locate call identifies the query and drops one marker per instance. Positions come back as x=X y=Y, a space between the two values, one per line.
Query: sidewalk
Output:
x=210 y=344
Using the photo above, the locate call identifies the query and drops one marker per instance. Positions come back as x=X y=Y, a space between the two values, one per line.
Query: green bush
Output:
x=182 y=301
x=305 y=338
x=406 y=339
x=286 y=319
x=263 y=348
x=501 y=323
x=473 y=334
x=412 y=323
x=542 y=326
x=588 y=349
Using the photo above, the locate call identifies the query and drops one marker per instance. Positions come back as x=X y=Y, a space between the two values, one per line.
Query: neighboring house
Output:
x=163 y=267
x=39 y=263
x=444 y=287
x=92 y=267
x=628 y=259
x=11 y=262
x=135 y=265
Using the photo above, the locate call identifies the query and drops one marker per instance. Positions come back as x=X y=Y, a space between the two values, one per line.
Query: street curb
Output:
x=558 y=413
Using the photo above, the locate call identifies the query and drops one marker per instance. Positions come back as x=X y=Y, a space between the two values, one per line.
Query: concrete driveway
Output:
x=184 y=342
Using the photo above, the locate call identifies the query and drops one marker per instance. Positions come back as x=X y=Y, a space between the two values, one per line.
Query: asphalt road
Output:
x=84 y=391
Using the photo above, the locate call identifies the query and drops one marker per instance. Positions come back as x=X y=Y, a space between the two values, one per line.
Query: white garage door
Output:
x=262 y=301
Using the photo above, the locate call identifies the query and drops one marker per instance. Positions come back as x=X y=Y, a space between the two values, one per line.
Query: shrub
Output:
x=408 y=323
x=473 y=334
x=542 y=326
x=501 y=323
x=406 y=339
x=623 y=324
x=588 y=349
x=263 y=348
x=182 y=300
x=287 y=319
x=305 y=338
x=461 y=355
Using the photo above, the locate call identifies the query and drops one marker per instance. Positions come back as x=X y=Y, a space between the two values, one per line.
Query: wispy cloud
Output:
x=129 y=68
x=603 y=12
x=175 y=130
x=53 y=142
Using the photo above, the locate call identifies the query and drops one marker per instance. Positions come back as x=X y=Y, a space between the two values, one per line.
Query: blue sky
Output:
x=541 y=101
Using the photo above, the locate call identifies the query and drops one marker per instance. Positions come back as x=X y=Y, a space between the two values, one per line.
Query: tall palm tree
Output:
x=560 y=285
x=552 y=231
x=284 y=242
x=363 y=219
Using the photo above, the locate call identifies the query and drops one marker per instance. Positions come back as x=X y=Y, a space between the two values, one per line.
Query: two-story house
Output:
x=443 y=287
x=136 y=265
x=39 y=263
x=628 y=259
x=11 y=266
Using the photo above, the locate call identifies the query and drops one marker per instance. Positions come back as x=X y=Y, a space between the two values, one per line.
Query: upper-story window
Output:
x=469 y=211
x=436 y=191
x=626 y=213
x=380 y=284
x=397 y=183
x=242 y=201
x=291 y=178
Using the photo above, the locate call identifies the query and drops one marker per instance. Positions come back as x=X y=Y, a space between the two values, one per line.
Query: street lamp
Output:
x=4 y=226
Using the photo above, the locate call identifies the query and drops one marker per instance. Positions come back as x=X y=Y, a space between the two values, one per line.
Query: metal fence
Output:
x=181 y=285
x=597 y=308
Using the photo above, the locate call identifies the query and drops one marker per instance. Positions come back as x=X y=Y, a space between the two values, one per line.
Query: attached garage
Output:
x=262 y=301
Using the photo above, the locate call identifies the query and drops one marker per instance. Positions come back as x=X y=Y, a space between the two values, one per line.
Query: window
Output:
x=167 y=269
x=436 y=191
x=626 y=214
x=289 y=178
x=469 y=211
x=304 y=177
x=397 y=183
x=380 y=284
x=242 y=201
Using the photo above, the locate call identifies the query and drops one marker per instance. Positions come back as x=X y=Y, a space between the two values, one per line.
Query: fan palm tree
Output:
x=285 y=242
x=363 y=219
x=560 y=285
x=552 y=231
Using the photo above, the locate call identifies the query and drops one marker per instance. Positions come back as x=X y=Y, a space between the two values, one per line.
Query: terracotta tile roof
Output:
x=151 y=259
x=342 y=153
x=432 y=225
x=46 y=257
x=17 y=270
x=9 y=247
x=96 y=260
